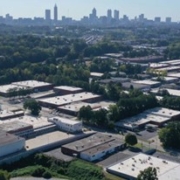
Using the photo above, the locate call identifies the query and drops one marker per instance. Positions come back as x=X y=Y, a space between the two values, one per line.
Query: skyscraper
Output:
x=116 y=14
x=55 y=13
x=109 y=14
x=47 y=14
x=94 y=13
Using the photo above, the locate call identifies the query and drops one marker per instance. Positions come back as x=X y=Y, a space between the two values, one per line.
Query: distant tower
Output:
x=94 y=13
x=47 y=14
x=55 y=13
x=116 y=14
x=109 y=14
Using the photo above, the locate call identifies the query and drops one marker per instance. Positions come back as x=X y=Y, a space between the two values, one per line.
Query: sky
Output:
x=79 y=8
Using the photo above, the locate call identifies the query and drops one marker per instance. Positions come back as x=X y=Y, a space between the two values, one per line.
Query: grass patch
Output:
x=109 y=176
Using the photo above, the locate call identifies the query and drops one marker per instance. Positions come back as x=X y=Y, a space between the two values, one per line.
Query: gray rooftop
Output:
x=90 y=142
x=6 y=138
x=14 y=126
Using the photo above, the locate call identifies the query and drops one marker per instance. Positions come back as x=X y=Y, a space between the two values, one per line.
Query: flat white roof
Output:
x=155 y=115
x=68 y=88
x=147 y=82
x=172 y=92
x=70 y=98
x=167 y=78
x=169 y=68
x=97 y=74
x=176 y=75
x=171 y=61
x=31 y=83
x=132 y=167
x=6 y=113
x=6 y=88
x=65 y=120
x=157 y=65
x=141 y=119
x=77 y=106
x=165 y=112
x=46 y=139
x=36 y=122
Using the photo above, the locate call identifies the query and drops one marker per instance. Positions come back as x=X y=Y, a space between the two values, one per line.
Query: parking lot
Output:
x=113 y=159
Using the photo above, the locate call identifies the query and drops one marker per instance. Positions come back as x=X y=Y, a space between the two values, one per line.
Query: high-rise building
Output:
x=109 y=14
x=157 y=19
x=141 y=17
x=47 y=14
x=168 y=20
x=94 y=13
x=55 y=13
x=116 y=14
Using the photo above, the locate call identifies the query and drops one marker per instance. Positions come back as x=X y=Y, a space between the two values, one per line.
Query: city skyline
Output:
x=79 y=8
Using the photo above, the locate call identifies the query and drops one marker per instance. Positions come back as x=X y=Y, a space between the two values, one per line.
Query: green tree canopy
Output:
x=148 y=174
x=33 y=106
x=131 y=139
x=170 y=135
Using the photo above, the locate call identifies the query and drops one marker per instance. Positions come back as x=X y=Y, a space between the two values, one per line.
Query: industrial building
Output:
x=40 y=125
x=172 y=92
x=7 y=114
x=156 y=116
x=57 y=101
x=148 y=82
x=142 y=87
x=16 y=127
x=64 y=90
x=73 y=109
x=131 y=167
x=67 y=125
x=36 y=86
x=94 y=147
x=102 y=150
x=6 y=90
x=10 y=143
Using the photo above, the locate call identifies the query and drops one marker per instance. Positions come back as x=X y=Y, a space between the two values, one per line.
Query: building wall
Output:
x=66 y=126
x=100 y=154
x=96 y=156
x=12 y=147
x=65 y=92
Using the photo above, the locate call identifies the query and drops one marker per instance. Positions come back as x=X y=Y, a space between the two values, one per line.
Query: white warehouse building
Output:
x=67 y=125
x=10 y=143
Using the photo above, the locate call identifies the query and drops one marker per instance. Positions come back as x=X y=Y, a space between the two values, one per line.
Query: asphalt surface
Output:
x=56 y=153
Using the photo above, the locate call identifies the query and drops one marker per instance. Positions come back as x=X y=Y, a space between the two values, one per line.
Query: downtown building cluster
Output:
x=112 y=18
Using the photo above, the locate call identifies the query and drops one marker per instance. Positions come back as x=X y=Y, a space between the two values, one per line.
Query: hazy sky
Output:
x=78 y=8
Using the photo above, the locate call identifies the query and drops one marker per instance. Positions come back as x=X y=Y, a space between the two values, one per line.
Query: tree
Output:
x=170 y=135
x=148 y=174
x=33 y=106
x=131 y=139
x=4 y=175
x=85 y=113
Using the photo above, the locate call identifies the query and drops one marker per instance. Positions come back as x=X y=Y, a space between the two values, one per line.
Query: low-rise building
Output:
x=131 y=167
x=57 y=101
x=67 y=125
x=7 y=114
x=24 y=126
x=148 y=82
x=74 y=108
x=34 y=85
x=10 y=143
x=93 y=147
x=157 y=116
x=64 y=90
x=16 y=127
x=102 y=150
